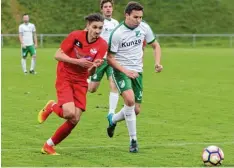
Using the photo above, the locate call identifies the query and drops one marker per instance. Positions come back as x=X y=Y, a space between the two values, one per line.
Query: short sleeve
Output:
x=150 y=37
x=116 y=23
x=20 y=29
x=33 y=28
x=68 y=43
x=114 y=42
x=102 y=52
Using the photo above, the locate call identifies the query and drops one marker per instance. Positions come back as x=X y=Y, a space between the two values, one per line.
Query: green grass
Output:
x=186 y=108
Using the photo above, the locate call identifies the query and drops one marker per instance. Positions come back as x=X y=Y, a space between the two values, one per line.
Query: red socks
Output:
x=57 y=110
x=62 y=132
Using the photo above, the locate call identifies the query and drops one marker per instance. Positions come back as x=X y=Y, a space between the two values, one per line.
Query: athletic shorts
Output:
x=124 y=83
x=29 y=49
x=71 y=92
x=104 y=68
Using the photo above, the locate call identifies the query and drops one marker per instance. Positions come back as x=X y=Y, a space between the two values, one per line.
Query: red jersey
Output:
x=77 y=46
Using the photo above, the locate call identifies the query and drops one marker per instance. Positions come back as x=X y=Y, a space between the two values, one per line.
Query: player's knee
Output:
x=75 y=119
x=34 y=57
x=69 y=113
x=130 y=102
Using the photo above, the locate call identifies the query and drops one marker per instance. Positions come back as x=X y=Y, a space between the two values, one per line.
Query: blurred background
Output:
x=176 y=23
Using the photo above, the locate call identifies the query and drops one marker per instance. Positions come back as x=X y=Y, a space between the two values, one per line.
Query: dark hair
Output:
x=133 y=6
x=94 y=17
x=25 y=14
x=102 y=2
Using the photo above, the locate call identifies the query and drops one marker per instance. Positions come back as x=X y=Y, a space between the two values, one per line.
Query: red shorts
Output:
x=71 y=92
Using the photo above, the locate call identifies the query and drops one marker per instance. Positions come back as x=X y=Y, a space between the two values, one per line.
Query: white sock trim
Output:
x=50 y=142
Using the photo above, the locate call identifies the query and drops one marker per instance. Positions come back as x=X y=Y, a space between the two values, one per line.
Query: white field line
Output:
x=116 y=146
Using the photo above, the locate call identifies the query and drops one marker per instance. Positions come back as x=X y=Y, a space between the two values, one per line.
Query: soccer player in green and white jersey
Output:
x=28 y=41
x=125 y=56
x=106 y=7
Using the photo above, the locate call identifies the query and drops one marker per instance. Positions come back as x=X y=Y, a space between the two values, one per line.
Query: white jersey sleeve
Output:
x=21 y=29
x=114 y=42
x=116 y=23
x=149 y=37
x=33 y=28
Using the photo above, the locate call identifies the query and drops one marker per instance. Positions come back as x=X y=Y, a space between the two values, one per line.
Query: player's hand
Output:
x=35 y=45
x=158 y=68
x=92 y=70
x=84 y=63
x=131 y=74
x=23 y=46
x=98 y=62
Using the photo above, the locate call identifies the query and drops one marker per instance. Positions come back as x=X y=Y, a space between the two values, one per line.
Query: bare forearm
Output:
x=112 y=62
x=21 y=39
x=35 y=39
x=157 y=53
x=61 y=56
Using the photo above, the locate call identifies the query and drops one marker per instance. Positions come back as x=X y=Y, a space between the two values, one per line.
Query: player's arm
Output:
x=114 y=42
x=150 y=39
x=157 y=56
x=34 y=36
x=61 y=56
x=21 y=36
x=66 y=46
x=99 y=58
x=112 y=62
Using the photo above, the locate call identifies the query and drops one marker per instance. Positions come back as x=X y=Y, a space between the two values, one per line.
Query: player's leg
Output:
x=24 y=53
x=97 y=77
x=64 y=95
x=138 y=91
x=32 y=51
x=137 y=108
x=124 y=86
x=130 y=118
x=137 y=86
x=66 y=109
x=122 y=83
x=114 y=94
x=72 y=111
x=72 y=114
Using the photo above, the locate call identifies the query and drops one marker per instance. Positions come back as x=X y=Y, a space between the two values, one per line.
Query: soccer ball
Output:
x=212 y=156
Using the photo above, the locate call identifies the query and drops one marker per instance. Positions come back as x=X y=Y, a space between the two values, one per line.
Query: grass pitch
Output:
x=187 y=107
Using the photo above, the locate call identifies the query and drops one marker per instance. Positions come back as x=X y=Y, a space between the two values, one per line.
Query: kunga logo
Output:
x=131 y=43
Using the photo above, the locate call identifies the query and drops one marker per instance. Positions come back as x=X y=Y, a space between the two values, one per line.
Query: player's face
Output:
x=134 y=19
x=94 y=29
x=26 y=18
x=107 y=9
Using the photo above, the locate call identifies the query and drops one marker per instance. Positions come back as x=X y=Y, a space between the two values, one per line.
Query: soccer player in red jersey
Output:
x=78 y=57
